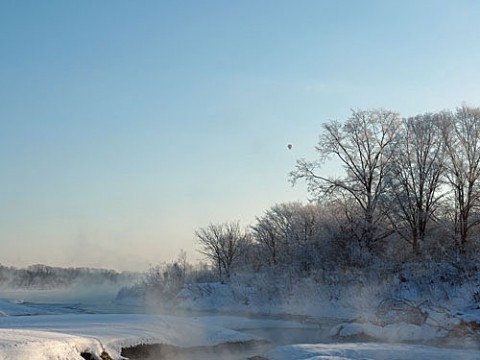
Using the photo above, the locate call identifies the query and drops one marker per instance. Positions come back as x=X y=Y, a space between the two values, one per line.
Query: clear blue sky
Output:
x=126 y=125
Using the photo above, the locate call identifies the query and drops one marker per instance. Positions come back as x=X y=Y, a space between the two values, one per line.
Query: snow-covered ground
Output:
x=373 y=351
x=36 y=332
x=67 y=336
x=397 y=329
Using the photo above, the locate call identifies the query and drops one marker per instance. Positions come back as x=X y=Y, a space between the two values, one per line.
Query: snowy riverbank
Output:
x=210 y=315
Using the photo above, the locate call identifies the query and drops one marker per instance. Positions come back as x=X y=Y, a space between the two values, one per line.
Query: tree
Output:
x=222 y=244
x=461 y=133
x=364 y=145
x=416 y=177
x=275 y=231
x=265 y=233
x=287 y=233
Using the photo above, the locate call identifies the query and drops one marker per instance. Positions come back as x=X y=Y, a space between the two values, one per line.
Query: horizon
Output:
x=124 y=127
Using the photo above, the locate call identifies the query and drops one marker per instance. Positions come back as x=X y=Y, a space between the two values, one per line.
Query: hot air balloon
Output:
x=289 y=146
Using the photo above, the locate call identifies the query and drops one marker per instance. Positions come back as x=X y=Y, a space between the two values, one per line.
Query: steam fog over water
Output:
x=228 y=321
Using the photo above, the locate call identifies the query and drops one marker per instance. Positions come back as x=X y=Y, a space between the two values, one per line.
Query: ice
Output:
x=370 y=351
x=65 y=336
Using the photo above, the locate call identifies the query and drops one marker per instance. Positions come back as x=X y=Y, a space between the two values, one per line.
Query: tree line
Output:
x=41 y=276
x=409 y=192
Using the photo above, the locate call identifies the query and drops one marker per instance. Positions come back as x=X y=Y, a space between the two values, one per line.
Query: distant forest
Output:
x=47 y=277
x=409 y=193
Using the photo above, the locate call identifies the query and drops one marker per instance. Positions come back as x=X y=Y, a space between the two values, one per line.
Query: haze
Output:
x=125 y=126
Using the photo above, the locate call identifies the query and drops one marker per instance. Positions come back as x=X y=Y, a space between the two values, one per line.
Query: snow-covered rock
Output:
x=392 y=332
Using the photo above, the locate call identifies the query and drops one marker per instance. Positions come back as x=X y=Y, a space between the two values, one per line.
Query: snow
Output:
x=63 y=331
x=392 y=332
x=8 y=308
x=371 y=351
x=65 y=336
x=214 y=297
x=16 y=344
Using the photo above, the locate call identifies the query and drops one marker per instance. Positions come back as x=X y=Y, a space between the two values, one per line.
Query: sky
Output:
x=127 y=125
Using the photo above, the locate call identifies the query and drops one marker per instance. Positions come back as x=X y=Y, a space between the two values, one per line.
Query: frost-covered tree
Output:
x=415 y=180
x=287 y=234
x=364 y=146
x=462 y=139
x=222 y=244
x=274 y=231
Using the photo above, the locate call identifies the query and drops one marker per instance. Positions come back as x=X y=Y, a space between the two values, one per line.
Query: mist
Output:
x=46 y=284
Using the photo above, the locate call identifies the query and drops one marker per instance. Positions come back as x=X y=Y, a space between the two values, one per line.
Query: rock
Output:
x=393 y=311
